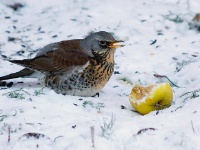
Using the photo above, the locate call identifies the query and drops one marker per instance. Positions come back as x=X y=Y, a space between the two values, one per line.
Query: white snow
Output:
x=66 y=120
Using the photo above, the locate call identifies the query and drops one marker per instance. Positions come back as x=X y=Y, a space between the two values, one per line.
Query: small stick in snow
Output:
x=92 y=135
x=192 y=126
x=144 y=130
x=8 y=133
x=57 y=138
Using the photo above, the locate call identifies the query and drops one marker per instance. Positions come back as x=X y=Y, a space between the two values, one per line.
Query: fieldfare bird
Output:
x=79 y=67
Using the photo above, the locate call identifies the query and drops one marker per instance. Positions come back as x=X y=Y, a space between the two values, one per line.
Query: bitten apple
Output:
x=151 y=97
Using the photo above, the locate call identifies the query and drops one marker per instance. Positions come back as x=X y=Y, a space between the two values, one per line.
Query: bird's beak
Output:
x=116 y=44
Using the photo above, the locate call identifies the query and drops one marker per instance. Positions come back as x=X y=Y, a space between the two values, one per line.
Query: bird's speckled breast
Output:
x=86 y=83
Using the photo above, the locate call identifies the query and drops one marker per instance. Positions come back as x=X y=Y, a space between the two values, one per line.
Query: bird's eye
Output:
x=102 y=42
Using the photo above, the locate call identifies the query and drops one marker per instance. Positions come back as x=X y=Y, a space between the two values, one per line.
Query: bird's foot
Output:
x=97 y=94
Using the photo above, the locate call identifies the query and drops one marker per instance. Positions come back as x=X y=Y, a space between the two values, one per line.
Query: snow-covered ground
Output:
x=159 y=40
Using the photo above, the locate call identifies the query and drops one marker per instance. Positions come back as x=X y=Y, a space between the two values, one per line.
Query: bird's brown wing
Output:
x=63 y=58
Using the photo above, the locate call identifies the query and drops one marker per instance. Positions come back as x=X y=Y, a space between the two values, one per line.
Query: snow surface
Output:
x=66 y=121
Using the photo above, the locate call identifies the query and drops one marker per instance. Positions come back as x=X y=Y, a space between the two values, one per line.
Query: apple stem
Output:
x=157 y=107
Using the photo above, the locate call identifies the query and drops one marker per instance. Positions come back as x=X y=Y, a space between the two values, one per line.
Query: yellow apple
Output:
x=151 y=97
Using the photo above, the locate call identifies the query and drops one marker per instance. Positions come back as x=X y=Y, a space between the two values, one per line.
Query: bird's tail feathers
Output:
x=24 y=62
x=22 y=73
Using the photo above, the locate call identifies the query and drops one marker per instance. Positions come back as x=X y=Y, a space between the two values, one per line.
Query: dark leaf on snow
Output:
x=16 y=6
x=34 y=135
x=123 y=107
x=153 y=42
x=11 y=39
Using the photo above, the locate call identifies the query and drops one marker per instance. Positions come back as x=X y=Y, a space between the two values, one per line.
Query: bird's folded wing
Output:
x=65 y=59
x=56 y=61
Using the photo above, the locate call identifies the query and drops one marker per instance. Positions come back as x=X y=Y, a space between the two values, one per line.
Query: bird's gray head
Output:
x=99 y=42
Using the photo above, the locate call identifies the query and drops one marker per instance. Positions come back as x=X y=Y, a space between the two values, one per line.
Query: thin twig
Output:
x=144 y=130
x=92 y=135
x=57 y=138
x=178 y=108
x=192 y=126
x=164 y=76
x=8 y=133
x=195 y=91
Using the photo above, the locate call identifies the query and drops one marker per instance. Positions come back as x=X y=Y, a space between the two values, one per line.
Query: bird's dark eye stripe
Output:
x=102 y=42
